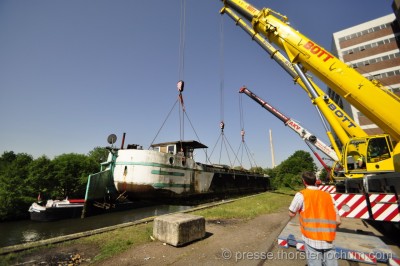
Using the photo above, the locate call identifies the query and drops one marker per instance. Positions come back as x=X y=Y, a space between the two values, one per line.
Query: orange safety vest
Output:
x=318 y=220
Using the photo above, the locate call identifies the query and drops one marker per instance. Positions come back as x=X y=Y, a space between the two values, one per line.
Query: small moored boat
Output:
x=56 y=210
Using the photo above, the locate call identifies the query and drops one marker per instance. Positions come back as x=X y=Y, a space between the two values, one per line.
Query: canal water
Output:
x=19 y=232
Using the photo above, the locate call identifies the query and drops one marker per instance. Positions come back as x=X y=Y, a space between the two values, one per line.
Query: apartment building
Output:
x=372 y=48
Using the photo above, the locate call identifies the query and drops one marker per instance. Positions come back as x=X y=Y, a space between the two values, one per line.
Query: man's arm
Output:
x=338 y=220
x=296 y=205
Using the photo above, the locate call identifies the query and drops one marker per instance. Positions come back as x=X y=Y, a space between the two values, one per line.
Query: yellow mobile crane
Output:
x=342 y=123
x=370 y=97
x=380 y=152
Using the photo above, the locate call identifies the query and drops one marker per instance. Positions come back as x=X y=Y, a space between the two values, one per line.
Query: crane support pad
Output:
x=368 y=249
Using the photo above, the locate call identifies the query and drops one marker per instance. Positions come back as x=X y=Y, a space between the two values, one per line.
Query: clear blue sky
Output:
x=72 y=72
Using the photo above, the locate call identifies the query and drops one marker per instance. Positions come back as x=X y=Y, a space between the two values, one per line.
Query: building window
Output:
x=368 y=46
x=375 y=60
x=363 y=32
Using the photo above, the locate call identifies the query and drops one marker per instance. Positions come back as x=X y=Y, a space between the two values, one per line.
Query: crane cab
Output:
x=370 y=154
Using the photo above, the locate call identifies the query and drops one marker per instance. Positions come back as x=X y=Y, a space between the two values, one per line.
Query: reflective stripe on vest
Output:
x=318 y=220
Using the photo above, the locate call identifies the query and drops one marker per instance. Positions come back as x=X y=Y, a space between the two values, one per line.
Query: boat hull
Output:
x=54 y=213
x=147 y=174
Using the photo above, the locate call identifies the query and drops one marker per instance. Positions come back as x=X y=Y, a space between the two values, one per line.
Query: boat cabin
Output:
x=185 y=148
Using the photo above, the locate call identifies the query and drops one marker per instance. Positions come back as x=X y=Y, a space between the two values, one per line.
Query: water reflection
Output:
x=30 y=236
x=19 y=232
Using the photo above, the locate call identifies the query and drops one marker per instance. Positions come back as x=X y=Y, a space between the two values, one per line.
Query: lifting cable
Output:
x=221 y=86
x=180 y=84
x=224 y=141
x=221 y=70
x=181 y=75
x=243 y=146
x=165 y=120
x=181 y=67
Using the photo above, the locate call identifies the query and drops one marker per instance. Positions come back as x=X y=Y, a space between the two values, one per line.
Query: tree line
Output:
x=23 y=179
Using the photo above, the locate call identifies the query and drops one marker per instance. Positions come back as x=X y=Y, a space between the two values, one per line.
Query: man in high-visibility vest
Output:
x=318 y=221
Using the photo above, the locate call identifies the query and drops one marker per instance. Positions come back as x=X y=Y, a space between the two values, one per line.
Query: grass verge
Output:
x=249 y=207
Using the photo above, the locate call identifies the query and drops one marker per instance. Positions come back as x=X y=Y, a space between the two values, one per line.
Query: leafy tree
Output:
x=41 y=177
x=98 y=154
x=270 y=172
x=71 y=172
x=287 y=174
x=6 y=159
x=14 y=188
x=324 y=175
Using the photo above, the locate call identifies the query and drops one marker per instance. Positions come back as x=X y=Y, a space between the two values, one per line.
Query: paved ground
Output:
x=227 y=242
x=232 y=243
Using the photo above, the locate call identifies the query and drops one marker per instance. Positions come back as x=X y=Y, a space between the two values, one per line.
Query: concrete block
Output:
x=179 y=228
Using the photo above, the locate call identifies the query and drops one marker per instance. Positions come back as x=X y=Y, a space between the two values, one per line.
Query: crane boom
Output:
x=295 y=126
x=345 y=81
x=345 y=126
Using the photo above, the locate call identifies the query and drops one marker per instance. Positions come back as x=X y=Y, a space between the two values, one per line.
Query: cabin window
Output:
x=378 y=150
x=189 y=153
x=171 y=149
